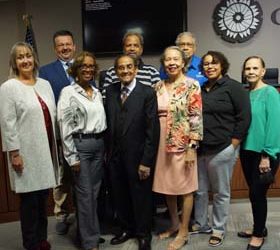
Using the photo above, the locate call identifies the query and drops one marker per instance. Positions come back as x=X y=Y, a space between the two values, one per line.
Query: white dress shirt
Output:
x=78 y=113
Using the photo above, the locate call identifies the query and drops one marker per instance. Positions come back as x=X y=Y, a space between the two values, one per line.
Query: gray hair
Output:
x=182 y=53
x=13 y=70
x=133 y=33
x=186 y=33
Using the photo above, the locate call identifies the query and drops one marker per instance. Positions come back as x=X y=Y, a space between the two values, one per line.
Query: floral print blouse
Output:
x=184 y=113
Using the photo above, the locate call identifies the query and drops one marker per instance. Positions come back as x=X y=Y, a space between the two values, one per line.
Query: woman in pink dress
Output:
x=180 y=113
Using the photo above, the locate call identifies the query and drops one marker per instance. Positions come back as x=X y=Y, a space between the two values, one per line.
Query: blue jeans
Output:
x=214 y=174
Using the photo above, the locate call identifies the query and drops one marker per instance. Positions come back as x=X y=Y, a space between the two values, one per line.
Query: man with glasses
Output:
x=56 y=73
x=187 y=42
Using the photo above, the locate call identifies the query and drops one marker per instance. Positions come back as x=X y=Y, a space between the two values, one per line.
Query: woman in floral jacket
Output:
x=180 y=113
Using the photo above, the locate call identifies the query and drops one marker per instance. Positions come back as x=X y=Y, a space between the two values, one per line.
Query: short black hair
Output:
x=62 y=33
x=135 y=61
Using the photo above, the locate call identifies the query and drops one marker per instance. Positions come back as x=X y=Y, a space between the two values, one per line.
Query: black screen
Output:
x=105 y=23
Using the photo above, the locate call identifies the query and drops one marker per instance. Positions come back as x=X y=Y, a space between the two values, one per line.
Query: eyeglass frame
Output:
x=87 y=67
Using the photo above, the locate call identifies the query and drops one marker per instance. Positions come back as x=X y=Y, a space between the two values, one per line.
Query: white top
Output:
x=23 y=128
x=78 y=113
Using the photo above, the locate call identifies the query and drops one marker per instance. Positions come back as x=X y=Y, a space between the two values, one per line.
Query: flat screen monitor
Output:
x=105 y=23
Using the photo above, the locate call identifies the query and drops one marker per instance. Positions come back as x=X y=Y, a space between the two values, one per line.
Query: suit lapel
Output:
x=61 y=72
x=114 y=105
x=131 y=105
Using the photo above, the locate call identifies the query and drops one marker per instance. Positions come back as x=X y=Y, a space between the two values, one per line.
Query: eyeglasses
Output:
x=190 y=45
x=208 y=64
x=87 y=67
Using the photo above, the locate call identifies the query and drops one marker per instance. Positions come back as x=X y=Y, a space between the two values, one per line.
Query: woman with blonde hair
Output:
x=27 y=116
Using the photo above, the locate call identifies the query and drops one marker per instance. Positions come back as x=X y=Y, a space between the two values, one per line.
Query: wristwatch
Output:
x=193 y=146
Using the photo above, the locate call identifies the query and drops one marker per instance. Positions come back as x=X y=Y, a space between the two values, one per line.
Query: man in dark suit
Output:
x=56 y=74
x=132 y=136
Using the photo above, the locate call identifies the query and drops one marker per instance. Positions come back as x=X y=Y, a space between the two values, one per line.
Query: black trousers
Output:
x=33 y=218
x=250 y=161
x=132 y=197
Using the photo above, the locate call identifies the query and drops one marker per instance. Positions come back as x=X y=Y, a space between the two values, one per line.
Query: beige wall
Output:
x=265 y=43
x=51 y=15
x=9 y=22
x=47 y=17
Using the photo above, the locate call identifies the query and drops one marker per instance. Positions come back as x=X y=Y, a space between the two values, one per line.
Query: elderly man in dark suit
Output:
x=56 y=73
x=133 y=135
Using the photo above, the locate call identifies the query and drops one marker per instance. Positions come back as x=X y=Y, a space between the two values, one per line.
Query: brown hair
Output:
x=78 y=61
x=218 y=57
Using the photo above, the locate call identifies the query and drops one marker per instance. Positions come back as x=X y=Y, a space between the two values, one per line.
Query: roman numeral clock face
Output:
x=237 y=20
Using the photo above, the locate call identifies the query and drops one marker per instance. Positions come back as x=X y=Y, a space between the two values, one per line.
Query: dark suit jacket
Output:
x=55 y=74
x=138 y=142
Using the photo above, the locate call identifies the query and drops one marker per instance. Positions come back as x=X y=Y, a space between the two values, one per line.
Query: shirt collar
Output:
x=194 y=63
x=217 y=83
x=130 y=86
x=64 y=62
x=81 y=91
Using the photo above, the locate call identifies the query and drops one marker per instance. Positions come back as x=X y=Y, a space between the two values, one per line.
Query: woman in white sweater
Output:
x=27 y=116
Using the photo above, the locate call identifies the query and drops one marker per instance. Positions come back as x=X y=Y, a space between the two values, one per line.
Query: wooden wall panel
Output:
x=3 y=184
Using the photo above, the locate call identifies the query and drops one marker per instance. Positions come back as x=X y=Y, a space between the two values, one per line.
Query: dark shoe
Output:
x=121 y=238
x=61 y=227
x=45 y=245
x=244 y=234
x=34 y=248
x=251 y=247
x=196 y=229
x=101 y=240
x=77 y=242
x=144 y=244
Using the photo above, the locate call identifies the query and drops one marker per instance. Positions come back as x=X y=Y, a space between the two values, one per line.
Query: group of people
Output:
x=177 y=132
